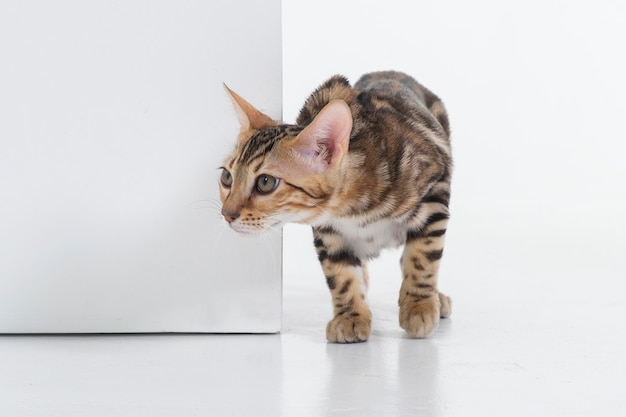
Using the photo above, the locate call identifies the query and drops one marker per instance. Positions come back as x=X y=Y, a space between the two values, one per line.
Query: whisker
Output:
x=211 y=205
x=210 y=210
x=266 y=238
x=209 y=201
x=217 y=237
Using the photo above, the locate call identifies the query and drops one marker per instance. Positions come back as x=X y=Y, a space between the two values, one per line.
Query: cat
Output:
x=368 y=167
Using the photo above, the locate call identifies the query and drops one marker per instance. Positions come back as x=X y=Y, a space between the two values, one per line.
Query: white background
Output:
x=536 y=96
x=534 y=257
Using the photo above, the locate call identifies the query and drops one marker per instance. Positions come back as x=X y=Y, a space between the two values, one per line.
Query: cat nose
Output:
x=229 y=216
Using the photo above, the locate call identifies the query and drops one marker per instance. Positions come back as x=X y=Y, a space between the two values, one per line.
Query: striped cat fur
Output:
x=368 y=167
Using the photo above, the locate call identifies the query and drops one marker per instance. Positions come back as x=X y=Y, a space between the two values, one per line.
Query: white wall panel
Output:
x=113 y=125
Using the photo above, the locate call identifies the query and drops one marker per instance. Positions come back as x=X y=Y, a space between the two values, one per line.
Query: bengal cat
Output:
x=368 y=167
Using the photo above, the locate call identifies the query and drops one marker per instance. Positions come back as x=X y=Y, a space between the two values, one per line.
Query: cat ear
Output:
x=248 y=116
x=324 y=142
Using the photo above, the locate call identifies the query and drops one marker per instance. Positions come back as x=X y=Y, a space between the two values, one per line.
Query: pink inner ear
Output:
x=325 y=141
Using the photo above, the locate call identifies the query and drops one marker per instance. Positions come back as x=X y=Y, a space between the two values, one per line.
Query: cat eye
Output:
x=265 y=184
x=227 y=178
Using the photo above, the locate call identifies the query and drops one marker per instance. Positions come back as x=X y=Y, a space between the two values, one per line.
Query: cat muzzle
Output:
x=230 y=216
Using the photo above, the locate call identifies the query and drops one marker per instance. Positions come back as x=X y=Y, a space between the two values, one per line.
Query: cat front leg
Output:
x=353 y=320
x=347 y=279
x=421 y=304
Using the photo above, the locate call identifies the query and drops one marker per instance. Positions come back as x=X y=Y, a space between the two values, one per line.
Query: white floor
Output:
x=537 y=330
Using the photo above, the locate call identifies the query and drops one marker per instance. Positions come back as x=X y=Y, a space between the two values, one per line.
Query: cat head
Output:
x=281 y=173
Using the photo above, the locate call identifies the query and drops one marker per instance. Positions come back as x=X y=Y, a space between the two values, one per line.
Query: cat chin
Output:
x=246 y=231
x=253 y=231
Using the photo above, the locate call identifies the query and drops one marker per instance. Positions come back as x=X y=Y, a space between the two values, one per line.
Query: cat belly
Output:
x=367 y=241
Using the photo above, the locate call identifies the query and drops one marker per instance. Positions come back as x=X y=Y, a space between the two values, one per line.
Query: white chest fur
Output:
x=367 y=241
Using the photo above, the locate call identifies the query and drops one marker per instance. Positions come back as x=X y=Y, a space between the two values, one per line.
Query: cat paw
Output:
x=420 y=318
x=445 y=306
x=345 y=329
